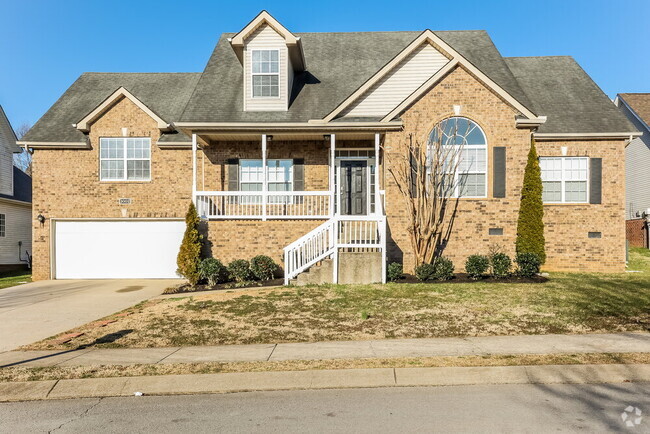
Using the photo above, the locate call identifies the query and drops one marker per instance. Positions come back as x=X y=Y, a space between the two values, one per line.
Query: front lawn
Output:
x=567 y=303
x=13 y=278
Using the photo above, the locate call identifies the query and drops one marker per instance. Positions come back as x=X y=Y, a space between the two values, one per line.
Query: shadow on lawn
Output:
x=106 y=339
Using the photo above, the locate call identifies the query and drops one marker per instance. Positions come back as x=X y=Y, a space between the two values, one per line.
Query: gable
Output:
x=398 y=84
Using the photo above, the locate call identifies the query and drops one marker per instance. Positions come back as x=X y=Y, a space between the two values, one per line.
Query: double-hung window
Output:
x=3 y=225
x=125 y=159
x=280 y=178
x=564 y=179
x=266 y=73
x=462 y=146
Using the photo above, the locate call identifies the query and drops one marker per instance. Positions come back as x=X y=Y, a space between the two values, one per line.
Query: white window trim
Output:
x=254 y=74
x=3 y=226
x=562 y=182
x=125 y=159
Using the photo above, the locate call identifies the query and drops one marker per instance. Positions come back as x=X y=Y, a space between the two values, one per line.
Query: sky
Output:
x=46 y=44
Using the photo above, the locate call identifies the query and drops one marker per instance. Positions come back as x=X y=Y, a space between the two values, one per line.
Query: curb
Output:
x=321 y=379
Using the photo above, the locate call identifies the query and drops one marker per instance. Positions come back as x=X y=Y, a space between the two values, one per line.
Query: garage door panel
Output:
x=117 y=249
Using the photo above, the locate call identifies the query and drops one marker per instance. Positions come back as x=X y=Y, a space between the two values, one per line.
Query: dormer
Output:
x=270 y=56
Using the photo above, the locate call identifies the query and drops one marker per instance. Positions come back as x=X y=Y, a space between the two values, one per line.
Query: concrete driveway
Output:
x=38 y=310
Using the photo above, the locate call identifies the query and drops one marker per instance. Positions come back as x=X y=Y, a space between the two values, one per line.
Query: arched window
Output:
x=462 y=144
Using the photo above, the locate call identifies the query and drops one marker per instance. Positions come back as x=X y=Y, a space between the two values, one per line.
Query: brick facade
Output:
x=636 y=232
x=66 y=185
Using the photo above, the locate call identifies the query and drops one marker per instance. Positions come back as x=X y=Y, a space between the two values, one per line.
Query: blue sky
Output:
x=47 y=44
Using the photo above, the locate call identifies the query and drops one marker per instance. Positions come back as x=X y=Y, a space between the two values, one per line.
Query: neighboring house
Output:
x=15 y=202
x=285 y=142
x=636 y=107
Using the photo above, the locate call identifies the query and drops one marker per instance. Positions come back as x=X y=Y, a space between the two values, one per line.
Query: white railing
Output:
x=264 y=205
x=326 y=239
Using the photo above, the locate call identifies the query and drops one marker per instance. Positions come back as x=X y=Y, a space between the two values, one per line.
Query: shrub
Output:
x=263 y=267
x=528 y=264
x=476 y=266
x=189 y=255
x=394 y=271
x=443 y=269
x=213 y=271
x=530 y=226
x=424 y=272
x=500 y=264
x=240 y=270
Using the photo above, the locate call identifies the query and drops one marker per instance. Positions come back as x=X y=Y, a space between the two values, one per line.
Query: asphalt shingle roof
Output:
x=164 y=93
x=561 y=90
x=22 y=187
x=640 y=103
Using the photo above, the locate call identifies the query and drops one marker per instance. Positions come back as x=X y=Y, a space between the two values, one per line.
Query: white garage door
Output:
x=117 y=249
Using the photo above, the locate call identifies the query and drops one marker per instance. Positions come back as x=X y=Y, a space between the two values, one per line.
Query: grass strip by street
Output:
x=16 y=374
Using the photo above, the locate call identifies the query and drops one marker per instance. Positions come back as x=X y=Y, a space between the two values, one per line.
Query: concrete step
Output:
x=317 y=274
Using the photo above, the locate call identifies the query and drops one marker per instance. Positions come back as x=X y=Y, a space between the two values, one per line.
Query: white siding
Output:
x=265 y=38
x=637 y=167
x=398 y=84
x=18 y=219
x=7 y=148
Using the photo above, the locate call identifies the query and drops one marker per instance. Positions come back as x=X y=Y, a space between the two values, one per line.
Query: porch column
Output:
x=265 y=180
x=332 y=168
x=194 y=147
x=377 y=193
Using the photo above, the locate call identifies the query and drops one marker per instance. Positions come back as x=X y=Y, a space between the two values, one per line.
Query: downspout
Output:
x=28 y=261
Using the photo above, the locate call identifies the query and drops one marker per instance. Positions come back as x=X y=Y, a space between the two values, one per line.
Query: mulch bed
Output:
x=224 y=286
x=464 y=278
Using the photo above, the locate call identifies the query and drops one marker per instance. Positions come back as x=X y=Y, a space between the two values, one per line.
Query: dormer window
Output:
x=266 y=73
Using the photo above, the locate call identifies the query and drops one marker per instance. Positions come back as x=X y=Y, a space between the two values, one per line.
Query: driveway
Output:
x=38 y=310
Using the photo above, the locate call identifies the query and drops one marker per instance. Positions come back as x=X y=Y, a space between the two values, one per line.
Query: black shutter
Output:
x=499 y=171
x=298 y=174
x=413 y=171
x=595 y=180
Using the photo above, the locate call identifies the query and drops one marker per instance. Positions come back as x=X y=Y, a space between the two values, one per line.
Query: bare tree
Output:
x=427 y=178
x=23 y=160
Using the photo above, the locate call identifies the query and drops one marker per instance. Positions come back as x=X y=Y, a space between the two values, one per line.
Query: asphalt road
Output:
x=499 y=408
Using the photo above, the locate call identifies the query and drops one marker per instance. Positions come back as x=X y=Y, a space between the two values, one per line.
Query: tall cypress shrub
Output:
x=530 y=225
x=189 y=255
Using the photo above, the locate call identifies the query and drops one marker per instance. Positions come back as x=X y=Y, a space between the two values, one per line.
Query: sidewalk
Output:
x=322 y=379
x=389 y=348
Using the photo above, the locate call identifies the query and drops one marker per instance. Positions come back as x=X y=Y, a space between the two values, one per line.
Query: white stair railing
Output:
x=309 y=249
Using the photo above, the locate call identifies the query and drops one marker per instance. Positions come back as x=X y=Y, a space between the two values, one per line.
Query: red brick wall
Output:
x=636 y=233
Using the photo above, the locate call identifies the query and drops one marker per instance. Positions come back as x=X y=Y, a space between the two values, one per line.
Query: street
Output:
x=494 y=408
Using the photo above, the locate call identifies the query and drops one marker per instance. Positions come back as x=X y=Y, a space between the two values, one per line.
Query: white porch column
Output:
x=265 y=180
x=377 y=193
x=194 y=147
x=332 y=168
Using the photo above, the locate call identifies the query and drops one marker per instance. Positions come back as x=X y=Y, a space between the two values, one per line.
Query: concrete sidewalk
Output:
x=322 y=379
x=389 y=348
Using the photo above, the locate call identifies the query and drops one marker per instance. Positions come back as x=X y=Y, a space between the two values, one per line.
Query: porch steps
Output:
x=317 y=274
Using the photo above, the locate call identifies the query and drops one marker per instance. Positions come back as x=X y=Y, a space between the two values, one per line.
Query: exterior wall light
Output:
x=41 y=219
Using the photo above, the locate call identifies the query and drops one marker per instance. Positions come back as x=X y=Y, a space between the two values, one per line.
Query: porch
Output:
x=334 y=180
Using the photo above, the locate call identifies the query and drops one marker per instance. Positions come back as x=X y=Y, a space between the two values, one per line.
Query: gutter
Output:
x=576 y=136
x=291 y=126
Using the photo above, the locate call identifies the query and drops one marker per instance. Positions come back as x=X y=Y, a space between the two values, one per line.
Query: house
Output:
x=285 y=142
x=15 y=202
x=636 y=107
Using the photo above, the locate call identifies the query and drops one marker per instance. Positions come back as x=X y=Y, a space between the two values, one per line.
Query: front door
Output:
x=354 y=187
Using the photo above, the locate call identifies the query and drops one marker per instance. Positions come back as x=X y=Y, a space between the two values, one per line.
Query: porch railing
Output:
x=264 y=205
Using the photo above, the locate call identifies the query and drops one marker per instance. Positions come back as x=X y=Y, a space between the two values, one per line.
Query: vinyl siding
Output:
x=637 y=167
x=397 y=85
x=265 y=38
x=7 y=147
x=18 y=219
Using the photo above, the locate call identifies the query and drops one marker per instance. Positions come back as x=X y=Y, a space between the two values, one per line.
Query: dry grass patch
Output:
x=62 y=373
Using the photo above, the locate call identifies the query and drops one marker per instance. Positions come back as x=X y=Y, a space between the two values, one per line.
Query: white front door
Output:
x=141 y=249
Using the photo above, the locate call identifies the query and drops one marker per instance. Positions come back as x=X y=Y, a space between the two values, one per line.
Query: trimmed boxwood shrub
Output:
x=528 y=264
x=443 y=269
x=476 y=266
x=394 y=271
x=213 y=271
x=500 y=264
x=240 y=270
x=263 y=267
x=424 y=272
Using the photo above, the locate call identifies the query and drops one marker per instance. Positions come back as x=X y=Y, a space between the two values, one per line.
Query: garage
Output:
x=116 y=249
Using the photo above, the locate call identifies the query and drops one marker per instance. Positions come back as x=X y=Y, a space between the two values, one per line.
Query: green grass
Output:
x=13 y=278
x=639 y=259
